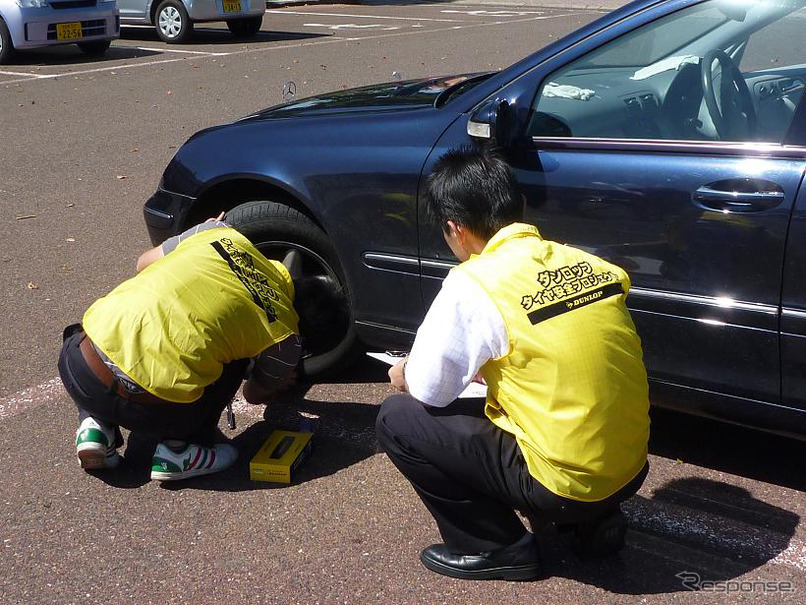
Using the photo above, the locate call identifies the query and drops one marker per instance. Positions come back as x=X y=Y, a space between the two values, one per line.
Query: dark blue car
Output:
x=668 y=137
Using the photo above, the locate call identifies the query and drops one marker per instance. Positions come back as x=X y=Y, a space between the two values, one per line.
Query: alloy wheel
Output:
x=311 y=264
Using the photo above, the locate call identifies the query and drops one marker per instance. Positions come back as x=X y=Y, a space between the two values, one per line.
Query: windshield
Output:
x=461 y=87
x=678 y=32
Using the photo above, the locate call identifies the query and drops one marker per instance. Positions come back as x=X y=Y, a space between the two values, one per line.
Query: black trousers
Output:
x=192 y=422
x=472 y=476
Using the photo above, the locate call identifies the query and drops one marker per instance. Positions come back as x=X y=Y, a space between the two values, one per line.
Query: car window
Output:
x=658 y=39
x=722 y=70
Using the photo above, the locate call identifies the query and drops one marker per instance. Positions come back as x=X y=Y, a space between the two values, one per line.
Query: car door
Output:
x=133 y=10
x=623 y=155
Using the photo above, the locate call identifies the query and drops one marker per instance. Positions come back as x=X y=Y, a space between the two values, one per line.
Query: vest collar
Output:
x=510 y=232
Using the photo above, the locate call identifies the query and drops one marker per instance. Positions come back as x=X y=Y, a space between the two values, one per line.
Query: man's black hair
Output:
x=321 y=306
x=475 y=188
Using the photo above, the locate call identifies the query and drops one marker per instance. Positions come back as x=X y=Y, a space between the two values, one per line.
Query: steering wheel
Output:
x=734 y=116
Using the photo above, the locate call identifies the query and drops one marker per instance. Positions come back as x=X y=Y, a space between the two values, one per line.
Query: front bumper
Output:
x=38 y=25
x=213 y=10
x=165 y=213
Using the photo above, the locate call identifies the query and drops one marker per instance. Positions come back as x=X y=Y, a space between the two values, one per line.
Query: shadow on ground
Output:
x=212 y=35
x=690 y=531
x=344 y=435
x=728 y=448
x=71 y=55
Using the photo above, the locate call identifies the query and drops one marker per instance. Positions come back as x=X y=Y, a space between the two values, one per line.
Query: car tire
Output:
x=172 y=22
x=6 y=44
x=95 y=48
x=275 y=229
x=245 y=28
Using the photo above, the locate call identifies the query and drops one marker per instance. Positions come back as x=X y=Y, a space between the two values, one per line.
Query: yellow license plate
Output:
x=68 y=31
x=232 y=6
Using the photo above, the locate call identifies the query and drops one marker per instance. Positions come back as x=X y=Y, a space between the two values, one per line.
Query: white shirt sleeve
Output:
x=461 y=331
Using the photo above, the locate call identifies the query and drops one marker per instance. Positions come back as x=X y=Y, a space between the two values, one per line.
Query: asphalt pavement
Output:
x=84 y=144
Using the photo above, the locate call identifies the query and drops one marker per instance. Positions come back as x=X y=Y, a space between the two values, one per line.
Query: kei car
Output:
x=667 y=136
x=25 y=24
x=174 y=19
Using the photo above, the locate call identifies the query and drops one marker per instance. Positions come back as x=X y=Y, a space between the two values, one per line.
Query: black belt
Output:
x=107 y=378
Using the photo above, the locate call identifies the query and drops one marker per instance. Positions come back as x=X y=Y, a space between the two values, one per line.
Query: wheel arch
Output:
x=239 y=190
x=10 y=31
x=153 y=5
x=152 y=11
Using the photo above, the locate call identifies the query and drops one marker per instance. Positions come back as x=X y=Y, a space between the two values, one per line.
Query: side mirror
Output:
x=494 y=122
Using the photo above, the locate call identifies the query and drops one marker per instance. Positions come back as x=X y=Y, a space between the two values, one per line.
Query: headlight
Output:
x=32 y=3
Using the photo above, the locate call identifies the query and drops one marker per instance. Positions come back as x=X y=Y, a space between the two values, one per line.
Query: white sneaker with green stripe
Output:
x=95 y=445
x=173 y=462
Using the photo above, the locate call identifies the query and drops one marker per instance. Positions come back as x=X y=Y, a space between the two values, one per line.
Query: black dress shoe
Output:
x=521 y=561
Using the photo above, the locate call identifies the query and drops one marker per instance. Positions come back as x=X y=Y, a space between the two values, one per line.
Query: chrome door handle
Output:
x=718 y=197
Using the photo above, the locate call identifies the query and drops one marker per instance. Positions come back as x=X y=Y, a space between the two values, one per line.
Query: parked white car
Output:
x=174 y=19
x=24 y=24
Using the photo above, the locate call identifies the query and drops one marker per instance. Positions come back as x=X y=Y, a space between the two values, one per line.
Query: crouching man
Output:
x=562 y=436
x=165 y=352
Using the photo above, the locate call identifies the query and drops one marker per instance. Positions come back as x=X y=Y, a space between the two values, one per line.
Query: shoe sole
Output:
x=94 y=459
x=512 y=573
x=166 y=476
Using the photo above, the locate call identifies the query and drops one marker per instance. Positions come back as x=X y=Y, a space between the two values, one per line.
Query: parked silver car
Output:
x=92 y=24
x=174 y=19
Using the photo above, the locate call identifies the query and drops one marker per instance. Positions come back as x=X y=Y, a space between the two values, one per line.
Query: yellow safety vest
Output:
x=573 y=387
x=213 y=300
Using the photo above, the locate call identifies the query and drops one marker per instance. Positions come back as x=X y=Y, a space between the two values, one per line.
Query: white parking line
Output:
x=179 y=50
x=496 y=13
x=93 y=71
x=282 y=12
x=46 y=393
x=21 y=73
x=351 y=26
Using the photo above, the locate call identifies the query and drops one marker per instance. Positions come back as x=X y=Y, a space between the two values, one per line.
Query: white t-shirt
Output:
x=461 y=331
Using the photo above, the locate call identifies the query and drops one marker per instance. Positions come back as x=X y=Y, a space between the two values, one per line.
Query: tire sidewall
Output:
x=6 y=44
x=296 y=228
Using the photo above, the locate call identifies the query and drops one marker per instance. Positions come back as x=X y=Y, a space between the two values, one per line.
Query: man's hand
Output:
x=149 y=257
x=213 y=219
x=397 y=375
x=258 y=393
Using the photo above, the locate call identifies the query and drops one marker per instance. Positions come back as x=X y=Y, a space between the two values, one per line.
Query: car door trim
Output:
x=392 y=262
x=708 y=301
x=672 y=146
x=793 y=323
x=794 y=313
x=436 y=268
x=440 y=268
x=438 y=264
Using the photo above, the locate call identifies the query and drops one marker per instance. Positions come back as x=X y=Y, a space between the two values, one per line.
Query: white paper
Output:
x=385 y=357
x=667 y=64
x=474 y=389
x=567 y=91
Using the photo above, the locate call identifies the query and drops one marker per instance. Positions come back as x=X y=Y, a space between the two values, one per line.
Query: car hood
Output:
x=409 y=94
